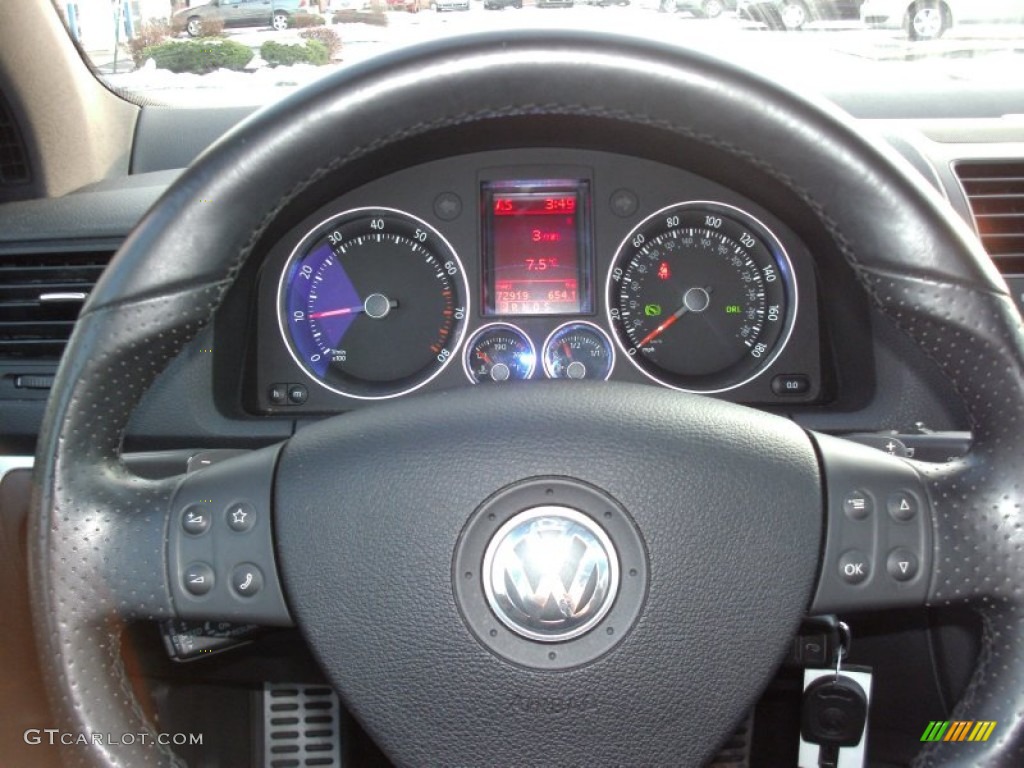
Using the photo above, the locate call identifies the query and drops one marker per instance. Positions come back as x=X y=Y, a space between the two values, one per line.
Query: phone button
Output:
x=246 y=580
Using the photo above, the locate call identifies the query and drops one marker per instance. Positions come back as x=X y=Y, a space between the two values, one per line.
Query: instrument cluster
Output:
x=507 y=266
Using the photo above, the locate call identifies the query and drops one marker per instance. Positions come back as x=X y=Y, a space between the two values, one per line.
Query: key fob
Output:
x=834 y=711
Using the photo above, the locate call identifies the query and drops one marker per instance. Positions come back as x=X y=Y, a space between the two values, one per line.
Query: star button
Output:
x=241 y=517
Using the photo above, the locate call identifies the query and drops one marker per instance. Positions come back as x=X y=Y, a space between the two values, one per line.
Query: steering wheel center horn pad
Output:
x=384 y=520
x=550 y=573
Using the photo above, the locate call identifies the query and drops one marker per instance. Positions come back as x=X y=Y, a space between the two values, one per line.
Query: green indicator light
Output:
x=733 y=309
x=652 y=310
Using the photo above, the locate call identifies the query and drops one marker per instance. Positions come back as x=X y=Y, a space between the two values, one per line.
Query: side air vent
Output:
x=40 y=297
x=14 y=167
x=995 y=191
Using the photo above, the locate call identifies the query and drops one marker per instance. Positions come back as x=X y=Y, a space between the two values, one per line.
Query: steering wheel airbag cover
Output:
x=369 y=508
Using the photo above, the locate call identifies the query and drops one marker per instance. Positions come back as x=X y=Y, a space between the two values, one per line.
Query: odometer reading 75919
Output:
x=701 y=297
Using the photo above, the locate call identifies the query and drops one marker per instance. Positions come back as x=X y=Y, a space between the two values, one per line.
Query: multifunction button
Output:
x=902 y=507
x=198 y=578
x=241 y=516
x=854 y=566
x=902 y=564
x=246 y=580
x=196 y=520
x=858 y=505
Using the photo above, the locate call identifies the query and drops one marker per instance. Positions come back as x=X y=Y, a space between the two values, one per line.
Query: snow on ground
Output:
x=839 y=53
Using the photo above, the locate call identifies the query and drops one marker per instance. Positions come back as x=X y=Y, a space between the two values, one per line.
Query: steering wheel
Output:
x=371 y=527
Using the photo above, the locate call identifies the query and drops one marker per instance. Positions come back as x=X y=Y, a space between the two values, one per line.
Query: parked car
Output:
x=795 y=14
x=497 y=5
x=240 y=13
x=412 y=6
x=555 y=3
x=449 y=5
x=708 y=9
x=929 y=19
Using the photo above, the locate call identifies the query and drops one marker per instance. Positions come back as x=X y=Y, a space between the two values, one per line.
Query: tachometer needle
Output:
x=335 y=312
x=377 y=305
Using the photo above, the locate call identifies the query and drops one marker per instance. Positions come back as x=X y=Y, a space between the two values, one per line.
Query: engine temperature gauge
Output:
x=578 y=351
x=499 y=352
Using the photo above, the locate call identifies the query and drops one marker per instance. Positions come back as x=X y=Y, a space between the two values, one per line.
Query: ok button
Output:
x=854 y=566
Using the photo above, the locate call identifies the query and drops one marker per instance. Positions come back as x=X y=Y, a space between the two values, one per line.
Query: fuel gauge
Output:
x=578 y=351
x=499 y=352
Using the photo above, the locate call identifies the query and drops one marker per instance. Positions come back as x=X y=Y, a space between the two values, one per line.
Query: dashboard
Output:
x=500 y=267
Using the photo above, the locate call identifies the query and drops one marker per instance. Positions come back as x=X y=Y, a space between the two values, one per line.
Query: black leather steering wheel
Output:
x=363 y=541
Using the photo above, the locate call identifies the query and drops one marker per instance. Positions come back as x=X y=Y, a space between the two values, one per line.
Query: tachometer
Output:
x=372 y=303
x=701 y=297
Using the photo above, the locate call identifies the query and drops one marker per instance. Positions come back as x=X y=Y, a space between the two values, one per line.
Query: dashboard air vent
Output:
x=41 y=294
x=996 y=194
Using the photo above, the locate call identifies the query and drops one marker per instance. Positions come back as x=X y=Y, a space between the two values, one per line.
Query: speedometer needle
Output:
x=664 y=326
x=694 y=300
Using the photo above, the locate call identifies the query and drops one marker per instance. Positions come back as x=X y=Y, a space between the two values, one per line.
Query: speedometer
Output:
x=701 y=297
x=372 y=303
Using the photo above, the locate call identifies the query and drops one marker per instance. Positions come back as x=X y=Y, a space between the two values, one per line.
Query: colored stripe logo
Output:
x=958 y=730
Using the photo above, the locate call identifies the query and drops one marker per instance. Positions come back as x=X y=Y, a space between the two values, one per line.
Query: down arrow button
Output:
x=902 y=564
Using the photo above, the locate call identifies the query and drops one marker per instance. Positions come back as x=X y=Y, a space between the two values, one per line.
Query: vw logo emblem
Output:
x=550 y=573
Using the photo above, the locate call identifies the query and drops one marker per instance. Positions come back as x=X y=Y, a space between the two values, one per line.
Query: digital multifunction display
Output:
x=536 y=248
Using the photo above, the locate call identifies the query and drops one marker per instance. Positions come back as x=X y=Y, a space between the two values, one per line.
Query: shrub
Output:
x=149 y=34
x=376 y=18
x=281 y=55
x=199 y=56
x=327 y=37
x=306 y=20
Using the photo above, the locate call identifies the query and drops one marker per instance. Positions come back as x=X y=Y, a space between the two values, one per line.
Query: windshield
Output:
x=251 y=52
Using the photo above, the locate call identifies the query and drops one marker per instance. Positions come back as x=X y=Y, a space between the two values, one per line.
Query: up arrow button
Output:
x=902 y=506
